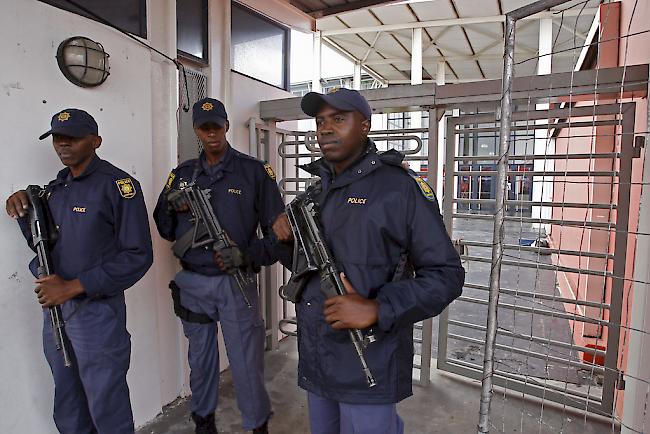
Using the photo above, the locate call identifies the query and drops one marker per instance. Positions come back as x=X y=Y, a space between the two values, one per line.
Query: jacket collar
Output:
x=64 y=174
x=366 y=164
x=226 y=162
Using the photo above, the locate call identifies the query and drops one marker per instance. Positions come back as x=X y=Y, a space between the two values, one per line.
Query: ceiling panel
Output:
x=359 y=19
x=466 y=69
x=485 y=38
x=433 y=10
x=393 y=14
x=476 y=9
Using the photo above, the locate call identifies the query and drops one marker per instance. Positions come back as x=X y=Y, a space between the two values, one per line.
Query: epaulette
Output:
x=267 y=166
x=190 y=162
x=391 y=157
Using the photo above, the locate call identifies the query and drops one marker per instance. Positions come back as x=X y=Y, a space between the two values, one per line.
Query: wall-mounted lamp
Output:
x=83 y=61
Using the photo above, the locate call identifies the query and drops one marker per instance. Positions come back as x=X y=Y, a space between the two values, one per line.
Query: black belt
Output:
x=212 y=271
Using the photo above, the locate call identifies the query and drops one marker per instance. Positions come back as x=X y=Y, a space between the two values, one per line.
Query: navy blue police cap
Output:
x=72 y=122
x=341 y=99
x=209 y=110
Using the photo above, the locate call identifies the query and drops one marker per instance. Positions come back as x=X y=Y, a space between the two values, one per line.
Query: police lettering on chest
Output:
x=357 y=200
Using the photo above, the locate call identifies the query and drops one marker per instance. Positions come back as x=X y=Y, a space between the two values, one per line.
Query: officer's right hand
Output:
x=282 y=228
x=17 y=204
x=177 y=201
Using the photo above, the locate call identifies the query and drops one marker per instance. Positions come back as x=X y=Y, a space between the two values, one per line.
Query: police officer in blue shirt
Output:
x=244 y=196
x=103 y=248
x=374 y=214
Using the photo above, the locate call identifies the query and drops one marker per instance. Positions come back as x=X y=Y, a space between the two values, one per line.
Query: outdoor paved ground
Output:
x=450 y=403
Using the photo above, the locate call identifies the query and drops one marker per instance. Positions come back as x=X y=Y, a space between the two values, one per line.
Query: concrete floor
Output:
x=448 y=405
x=549 y=328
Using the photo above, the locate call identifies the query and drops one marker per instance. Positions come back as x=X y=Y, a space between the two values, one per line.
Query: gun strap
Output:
x=196 y=171
x=184 y=313
x=404 y=269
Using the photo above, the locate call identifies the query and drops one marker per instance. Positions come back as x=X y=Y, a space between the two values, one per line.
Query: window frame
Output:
x=143 y=25
x=205 y=61
x=286 y=47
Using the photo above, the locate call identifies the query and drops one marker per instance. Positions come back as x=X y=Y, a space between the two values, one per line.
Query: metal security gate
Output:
x=192 y=86
x=539 y=349
x=545 y=345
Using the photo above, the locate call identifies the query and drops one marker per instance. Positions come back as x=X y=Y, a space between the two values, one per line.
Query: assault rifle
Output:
x=311 y=255
x=44 y=235
x=207 y=230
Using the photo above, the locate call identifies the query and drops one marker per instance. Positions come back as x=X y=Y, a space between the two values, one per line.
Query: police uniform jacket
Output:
x=103 y=229
x=243 y=194
x=371 y=214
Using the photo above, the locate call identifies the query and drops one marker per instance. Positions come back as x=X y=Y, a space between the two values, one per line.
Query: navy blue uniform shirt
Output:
x=243 y=195
x=371 y=214
x=104 y=238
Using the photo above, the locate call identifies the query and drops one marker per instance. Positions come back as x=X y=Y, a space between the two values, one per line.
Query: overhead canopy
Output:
x=466 y=35
x=323 y=8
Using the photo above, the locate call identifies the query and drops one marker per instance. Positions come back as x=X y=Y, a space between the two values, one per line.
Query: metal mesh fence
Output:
x=544 y=196
x=555 y=224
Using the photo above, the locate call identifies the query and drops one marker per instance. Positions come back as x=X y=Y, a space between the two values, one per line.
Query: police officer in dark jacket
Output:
x=244 y=196
x=373 y=213
x=103 y=248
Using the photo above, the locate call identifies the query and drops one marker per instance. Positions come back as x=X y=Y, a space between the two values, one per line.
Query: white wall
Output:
x=136 y=112
x=240 y=94
x=32 y=90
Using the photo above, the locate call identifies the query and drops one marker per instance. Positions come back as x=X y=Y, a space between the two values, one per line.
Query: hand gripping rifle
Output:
x=206 y=231
x=44 y=234
x=310 y=255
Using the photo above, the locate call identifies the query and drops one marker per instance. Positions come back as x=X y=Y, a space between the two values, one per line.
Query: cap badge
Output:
x=63 y=116
x=207 y=106
x=333 y=90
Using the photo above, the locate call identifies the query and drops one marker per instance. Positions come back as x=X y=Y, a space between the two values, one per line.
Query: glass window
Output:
x=192 y=29
x=260 y=47
x=128 y=15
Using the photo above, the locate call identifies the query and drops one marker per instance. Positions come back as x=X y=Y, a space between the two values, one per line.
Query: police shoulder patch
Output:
x=269 y=170
x=126 y=187
x=170 y=180
x=425 y=188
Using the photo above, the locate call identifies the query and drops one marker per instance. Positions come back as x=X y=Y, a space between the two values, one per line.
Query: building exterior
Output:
x=136 y=109
x=238 y=51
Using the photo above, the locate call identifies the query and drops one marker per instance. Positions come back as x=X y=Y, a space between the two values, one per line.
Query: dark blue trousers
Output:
x=92 y=396
x=243 y=334
x=332 y=417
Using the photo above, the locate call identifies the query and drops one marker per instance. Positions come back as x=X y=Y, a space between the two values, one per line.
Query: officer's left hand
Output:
x=351 y=311
x=230 y=258
x=52 y=290
x=282 y=228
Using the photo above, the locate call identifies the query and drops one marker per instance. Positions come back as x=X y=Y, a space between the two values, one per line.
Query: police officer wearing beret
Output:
x=244 y=196
x=103 y=248
x=374 y=214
